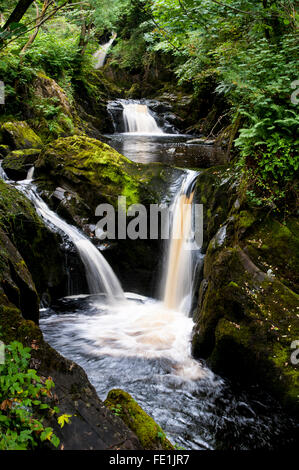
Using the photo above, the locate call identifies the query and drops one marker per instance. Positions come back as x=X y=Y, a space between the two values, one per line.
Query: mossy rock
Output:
x=97 y=174
x=18 y=135
x=146 y=429
x=216 y=190
x=17 y=163
x=92 y=168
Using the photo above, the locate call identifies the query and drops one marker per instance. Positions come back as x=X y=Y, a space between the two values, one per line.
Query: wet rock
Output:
x=38 y=247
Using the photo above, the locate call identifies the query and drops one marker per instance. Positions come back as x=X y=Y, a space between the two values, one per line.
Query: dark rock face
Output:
x=38 y=247
x=246 y=318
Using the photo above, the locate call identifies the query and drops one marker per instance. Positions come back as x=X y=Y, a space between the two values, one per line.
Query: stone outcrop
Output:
x=247 y=315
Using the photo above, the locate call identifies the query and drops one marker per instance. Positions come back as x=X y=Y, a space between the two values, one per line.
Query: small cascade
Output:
x=138 y=120
x=101 y=53
x=30 y=173
x=100 y=276
x=178 y=273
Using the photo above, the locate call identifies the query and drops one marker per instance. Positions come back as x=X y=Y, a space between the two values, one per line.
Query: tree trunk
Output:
x=18 y=13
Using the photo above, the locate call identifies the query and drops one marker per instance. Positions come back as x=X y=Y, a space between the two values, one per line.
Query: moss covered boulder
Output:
x=17 y=163
x=91 y=168
x=146 y=429
x=18 y=135
x=4 y=150
x=91 y=172
x=247 y=316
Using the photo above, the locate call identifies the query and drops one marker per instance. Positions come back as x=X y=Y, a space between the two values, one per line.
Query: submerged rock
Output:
x=146 y=429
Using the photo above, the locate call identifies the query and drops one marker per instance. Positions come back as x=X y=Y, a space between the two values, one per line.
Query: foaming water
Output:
x=142 y=329
x=144 y=349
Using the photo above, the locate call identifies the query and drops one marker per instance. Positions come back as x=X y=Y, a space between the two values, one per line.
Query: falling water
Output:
x=178 y=274
x=138 y=120
x=100 y=276
x=100 y=54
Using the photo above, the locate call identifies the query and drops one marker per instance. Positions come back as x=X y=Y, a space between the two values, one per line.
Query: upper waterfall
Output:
x=100 y=54
x=138 y=120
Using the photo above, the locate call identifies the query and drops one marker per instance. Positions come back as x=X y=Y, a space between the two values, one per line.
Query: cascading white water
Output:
x=177 y=278
x=138 y=120
x=100 y=54
x=100 y=276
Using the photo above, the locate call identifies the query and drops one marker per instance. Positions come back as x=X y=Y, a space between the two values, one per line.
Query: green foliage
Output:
x=22 y=397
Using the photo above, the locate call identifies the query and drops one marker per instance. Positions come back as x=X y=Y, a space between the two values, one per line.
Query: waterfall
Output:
x=100 y=277
x=138 y=120
x=178 y=273
x=100 y=54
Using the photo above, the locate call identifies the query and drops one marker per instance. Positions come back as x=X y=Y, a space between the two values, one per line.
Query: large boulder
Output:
x=92 y=169
x=19 y=135
x=247 y=315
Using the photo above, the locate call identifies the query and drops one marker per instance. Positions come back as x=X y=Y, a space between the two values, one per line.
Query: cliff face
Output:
x=247 y=314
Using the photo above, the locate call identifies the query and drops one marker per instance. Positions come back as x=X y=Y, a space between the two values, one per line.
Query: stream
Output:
x=142 y=344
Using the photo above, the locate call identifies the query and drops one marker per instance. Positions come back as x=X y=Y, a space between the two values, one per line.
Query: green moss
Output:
x=245 y=219
x=19 y=135
x=233 y=284
x=93 y=169
x=146 y=429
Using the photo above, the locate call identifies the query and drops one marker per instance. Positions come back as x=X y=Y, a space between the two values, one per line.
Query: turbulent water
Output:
x=177 y=279
x=144 y=348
